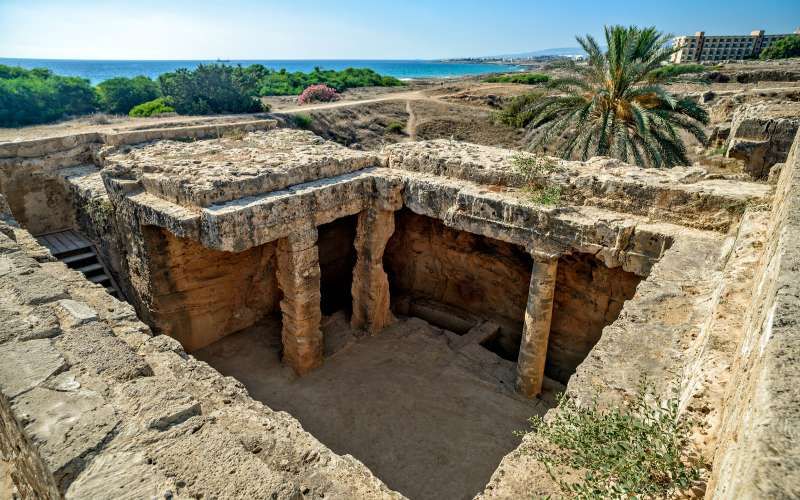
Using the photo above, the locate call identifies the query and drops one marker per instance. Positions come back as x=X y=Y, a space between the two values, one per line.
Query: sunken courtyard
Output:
x=237 y=309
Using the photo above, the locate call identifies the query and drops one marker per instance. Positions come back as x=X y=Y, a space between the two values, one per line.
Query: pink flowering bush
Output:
x=318 y=93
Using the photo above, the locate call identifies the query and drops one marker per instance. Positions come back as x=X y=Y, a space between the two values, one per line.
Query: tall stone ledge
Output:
x=681 y=195
x=758 y=455
x=93 y=405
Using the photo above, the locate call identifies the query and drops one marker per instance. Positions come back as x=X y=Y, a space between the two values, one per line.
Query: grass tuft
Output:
x=639 y=451
x=302 y=120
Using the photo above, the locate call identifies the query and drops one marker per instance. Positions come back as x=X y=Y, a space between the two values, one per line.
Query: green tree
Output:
x=209 y=89
x=38 y=96
x=613 y=105
x=120 y=95
x=783 y=48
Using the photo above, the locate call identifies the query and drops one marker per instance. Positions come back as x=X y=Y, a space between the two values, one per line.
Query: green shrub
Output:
x=283 y=82
x=209 y=89
x=675 y=70
x=38 y=96
x=641 y=451
x=514 y=113
x=155 y=107
x=522 y=78
x=302 y=120
x=120 y=95
x=395 y=128
x=783 y=48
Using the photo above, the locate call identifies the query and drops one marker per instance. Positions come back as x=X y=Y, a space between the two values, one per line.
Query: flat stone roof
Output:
x=207 y=172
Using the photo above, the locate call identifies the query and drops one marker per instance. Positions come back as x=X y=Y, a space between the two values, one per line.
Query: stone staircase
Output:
x=74 y=250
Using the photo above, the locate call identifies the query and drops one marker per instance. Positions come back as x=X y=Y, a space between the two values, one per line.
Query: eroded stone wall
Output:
x=198 y=296
x=757 y=455
x=588 y=297
x=37 y=199
x=471 y=274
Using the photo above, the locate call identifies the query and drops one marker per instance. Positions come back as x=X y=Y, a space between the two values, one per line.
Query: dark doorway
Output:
x=337 y=257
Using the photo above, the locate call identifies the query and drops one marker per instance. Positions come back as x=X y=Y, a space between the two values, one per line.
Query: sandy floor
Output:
x=6 y=486
x=431 y=422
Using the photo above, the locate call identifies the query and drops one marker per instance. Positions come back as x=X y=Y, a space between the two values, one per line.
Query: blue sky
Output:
x=351 y=29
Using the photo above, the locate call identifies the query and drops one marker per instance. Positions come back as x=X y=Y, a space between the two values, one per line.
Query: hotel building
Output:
x=701 y=48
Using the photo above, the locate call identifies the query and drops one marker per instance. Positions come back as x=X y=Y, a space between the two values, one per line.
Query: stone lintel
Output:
x=370 y=289
x=299 y=280
x=539 y=312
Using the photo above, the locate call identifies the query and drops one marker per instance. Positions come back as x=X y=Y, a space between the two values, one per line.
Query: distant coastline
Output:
x=97 y=71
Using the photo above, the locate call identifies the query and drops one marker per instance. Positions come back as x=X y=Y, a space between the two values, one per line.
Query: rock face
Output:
x=198 y=296
x=473 y=276
x=762 y=134
x=757 y=454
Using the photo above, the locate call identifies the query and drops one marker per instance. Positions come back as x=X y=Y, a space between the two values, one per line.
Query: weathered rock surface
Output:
x=681 y=194
x=762 y=134
x=204 y=173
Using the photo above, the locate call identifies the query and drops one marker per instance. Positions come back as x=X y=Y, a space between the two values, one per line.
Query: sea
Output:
x=97 y=71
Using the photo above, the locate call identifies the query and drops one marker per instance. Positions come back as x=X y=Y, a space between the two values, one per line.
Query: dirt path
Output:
x=400 y=96
x=411 y=125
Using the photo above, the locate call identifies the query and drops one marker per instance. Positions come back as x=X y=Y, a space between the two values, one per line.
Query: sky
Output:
x=352 y=29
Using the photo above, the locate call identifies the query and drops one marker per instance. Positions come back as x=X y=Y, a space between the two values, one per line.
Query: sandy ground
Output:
x=6 y=487
x=429 y=421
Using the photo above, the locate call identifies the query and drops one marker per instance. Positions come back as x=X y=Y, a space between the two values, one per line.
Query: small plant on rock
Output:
x=318 y=93
x=640 y=451
x=535 y=171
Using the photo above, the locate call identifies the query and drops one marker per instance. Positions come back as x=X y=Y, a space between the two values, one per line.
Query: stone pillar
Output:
x=370 y=290
x=299 y=280
x=539 y=312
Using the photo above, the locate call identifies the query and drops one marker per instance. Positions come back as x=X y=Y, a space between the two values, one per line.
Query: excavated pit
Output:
x=427 y=410
x=395 y=309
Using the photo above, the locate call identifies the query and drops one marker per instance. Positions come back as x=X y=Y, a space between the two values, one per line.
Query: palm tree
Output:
x=614 y=105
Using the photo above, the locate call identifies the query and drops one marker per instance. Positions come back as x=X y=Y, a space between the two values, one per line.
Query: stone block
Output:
x=25 y=365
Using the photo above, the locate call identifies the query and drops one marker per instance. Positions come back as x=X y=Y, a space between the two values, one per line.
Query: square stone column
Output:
x=370 y=290
x=299 y=280
x=539 y=313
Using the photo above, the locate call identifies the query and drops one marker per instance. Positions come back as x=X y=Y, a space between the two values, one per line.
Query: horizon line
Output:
x=415 y=59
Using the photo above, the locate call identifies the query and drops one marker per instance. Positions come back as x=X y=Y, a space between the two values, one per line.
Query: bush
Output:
x=209 y=89
x=38 y=96
x=282 y=82
x=155 y=107
x=318 y=93
x=522 y=78
x=783 y=48
x=395 y=128
x=302 y=120
x=675 y=70
x=514 y=113
x=642 y=451
x=120 y=95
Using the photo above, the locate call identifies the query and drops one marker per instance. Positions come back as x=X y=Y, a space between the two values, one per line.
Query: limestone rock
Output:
x=761 y=135
x=25 y=365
